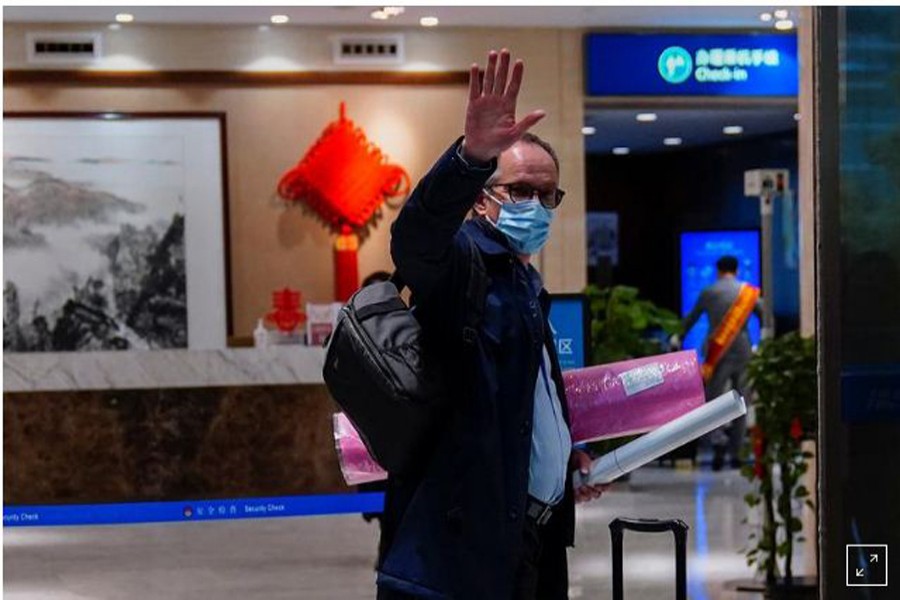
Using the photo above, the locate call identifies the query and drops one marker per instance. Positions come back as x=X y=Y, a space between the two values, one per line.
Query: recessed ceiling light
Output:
x=796 y=116
x=781 y=14
x=646 y=117
x=672 y=141
x=620 y=150
x=279 y=19
x=588 y=130
x=765 y=17
x=124 y=17
x=733 y=130
x=379 y=15
x=428 y=21
x=393 y=11
x=784 y=25
x=115 y=26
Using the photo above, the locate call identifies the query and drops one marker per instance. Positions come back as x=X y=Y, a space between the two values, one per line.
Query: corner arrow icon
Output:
x=859 y=572
x=873 y=558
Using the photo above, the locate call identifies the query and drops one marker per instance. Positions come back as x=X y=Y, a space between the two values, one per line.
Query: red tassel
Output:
x=346 y=266
x=344 y=178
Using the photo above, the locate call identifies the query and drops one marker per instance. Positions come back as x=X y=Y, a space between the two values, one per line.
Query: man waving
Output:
x=493 y=513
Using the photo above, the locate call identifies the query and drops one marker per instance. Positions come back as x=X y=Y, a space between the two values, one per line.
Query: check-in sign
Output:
x=691 y=65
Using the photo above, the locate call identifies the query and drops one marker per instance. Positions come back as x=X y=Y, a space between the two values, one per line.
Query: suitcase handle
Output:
x=650 y=525
x=678 y=528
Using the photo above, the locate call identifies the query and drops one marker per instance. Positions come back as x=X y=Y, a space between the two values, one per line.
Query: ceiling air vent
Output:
x=378 y=49
x=63 y=47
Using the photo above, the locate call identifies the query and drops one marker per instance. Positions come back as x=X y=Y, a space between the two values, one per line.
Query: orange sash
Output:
x=732 y=324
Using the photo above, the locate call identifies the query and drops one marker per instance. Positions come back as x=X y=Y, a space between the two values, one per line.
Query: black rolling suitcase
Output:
x=678 y=528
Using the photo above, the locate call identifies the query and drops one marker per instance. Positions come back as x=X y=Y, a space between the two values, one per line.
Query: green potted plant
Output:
x=624 y=326
x=783 y=377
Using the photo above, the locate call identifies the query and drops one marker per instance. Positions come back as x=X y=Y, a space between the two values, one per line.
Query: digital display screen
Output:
x=699 y=252
x=691 y=65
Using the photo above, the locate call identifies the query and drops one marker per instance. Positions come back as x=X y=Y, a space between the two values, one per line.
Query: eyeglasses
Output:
x=522 y=192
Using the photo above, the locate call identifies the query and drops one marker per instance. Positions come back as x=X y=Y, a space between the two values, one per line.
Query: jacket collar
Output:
x=488 y=239
x=494 y=243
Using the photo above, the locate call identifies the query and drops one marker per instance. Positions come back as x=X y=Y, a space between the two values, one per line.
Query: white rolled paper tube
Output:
x=665 y=438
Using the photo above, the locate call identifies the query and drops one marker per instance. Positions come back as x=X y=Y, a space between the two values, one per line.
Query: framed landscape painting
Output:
x=114 y=231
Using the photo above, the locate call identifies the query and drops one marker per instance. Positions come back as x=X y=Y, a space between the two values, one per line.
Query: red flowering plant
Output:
x=783 y=378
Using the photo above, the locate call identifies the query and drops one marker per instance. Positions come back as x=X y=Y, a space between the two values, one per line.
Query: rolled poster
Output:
x=605 y=401
x=357 y=465
x=632 y=396
x=666 y=438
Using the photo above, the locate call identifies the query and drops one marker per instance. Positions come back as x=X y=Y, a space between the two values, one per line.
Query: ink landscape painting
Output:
x=93 y=239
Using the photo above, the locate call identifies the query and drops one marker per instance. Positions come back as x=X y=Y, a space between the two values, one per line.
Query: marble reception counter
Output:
x=167 y=425
x=69 y=371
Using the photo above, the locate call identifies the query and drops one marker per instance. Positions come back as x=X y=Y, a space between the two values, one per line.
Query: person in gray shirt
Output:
x=731 y=370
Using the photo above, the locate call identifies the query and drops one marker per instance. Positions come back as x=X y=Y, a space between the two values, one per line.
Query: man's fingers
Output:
x=515 y=81
x=584 y=462
x=587 y=492
x=489 y=72
x=590 y=492
x=474 y=82
x=527 y=122
x=502 y=72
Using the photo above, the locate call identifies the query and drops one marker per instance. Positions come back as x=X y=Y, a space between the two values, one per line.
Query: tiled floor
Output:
x=331 y=558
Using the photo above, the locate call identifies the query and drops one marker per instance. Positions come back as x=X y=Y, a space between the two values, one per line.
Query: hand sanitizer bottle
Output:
x=260 y=335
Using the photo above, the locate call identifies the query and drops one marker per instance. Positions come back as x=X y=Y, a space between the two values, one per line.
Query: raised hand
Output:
x=491 y=125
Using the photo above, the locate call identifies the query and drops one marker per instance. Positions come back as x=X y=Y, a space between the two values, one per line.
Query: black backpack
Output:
x=378 y=371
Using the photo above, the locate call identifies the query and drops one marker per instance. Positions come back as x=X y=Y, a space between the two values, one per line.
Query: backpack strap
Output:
x=476 y=292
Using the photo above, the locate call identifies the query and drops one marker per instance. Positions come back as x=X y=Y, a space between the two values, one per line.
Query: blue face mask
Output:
x=525 y=224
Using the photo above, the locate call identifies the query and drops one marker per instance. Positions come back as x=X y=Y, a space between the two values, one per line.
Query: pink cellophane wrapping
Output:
x=632 y=396
x=357 y=464
x=605 y=401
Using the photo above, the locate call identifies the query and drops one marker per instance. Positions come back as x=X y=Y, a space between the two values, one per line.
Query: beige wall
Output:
x=806 y=163
x=269 y=129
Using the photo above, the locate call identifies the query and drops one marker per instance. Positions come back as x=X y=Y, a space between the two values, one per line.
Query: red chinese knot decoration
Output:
x=286 y=313
x=345 y=178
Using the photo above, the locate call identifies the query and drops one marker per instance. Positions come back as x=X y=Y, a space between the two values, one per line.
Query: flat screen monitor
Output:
x=699 y=251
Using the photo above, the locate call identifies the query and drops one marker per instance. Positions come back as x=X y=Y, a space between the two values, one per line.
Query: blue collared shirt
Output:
x=551 y=442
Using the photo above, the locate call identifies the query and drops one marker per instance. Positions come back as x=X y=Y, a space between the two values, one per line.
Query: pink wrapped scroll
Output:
x=357 y=464
x=632 y=396
x=605 y=401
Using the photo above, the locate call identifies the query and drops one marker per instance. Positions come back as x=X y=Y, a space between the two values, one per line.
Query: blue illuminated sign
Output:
x=675 y=64
x=627 y=64
x=190 y=510
x=699 y=252
x=569 y=322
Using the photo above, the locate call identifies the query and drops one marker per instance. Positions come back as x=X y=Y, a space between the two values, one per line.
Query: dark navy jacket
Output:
x=456 y=531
